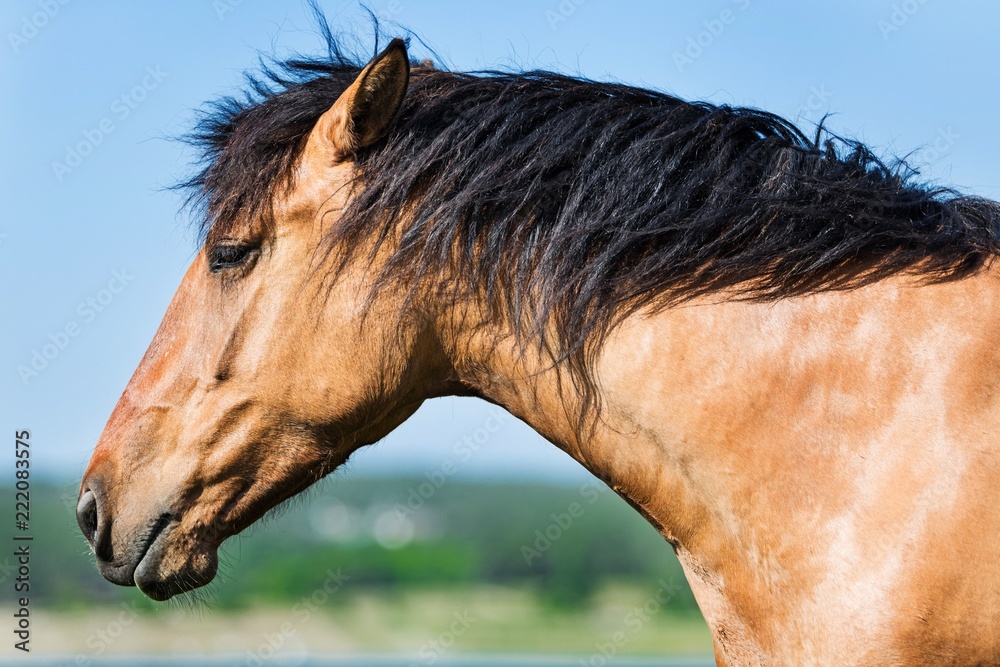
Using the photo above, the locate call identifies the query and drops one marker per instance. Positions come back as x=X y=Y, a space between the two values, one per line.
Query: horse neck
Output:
x=488 y=361
x=765 y=441
x=694 y=385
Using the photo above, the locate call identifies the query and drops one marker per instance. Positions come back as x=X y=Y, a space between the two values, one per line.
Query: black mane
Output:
x=569 y=203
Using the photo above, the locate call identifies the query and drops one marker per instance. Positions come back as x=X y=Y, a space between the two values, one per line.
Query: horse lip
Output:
x=144 y=574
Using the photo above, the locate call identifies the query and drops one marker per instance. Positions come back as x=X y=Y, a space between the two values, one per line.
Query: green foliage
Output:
x=564 y=543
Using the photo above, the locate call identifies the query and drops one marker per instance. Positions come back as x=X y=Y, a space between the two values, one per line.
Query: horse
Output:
x=781 y=350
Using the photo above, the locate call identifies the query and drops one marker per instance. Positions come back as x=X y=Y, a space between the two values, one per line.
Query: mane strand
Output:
x=567 y=204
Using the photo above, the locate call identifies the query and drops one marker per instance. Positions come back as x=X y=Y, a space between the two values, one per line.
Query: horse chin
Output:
x=168 y=568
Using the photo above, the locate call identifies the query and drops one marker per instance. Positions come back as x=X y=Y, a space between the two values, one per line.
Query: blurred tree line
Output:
x=562 y=542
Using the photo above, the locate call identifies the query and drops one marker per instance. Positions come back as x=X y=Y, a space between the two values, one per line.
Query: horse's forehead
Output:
x=315 y=191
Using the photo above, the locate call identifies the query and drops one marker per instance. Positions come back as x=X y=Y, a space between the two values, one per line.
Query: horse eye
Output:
x=229 y=255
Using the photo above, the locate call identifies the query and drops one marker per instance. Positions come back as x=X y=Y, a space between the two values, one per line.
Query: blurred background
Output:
x=424 y=549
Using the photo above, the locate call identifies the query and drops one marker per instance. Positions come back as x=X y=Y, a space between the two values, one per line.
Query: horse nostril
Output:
x=86 y=516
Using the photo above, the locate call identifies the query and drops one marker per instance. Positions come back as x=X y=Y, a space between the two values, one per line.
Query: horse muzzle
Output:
x=156 y=557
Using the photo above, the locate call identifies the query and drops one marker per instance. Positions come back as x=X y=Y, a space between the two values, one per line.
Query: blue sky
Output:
x=117 y=78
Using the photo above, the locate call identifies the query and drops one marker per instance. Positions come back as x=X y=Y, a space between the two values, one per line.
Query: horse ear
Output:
x=364 y=112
